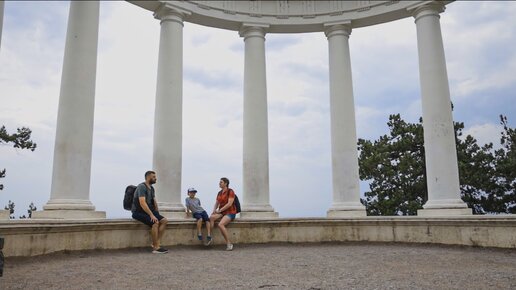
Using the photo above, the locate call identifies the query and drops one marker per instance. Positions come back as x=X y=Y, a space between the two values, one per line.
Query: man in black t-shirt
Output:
x=145 y=210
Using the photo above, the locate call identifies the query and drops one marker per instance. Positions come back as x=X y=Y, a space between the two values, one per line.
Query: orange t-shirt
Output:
x=223 y=198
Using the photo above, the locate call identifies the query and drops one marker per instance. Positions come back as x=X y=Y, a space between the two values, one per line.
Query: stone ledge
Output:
x=32 y=237
x=63 y=214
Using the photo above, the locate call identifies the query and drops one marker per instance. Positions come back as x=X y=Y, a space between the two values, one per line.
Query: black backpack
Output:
x=236 y=202
x=129 y=197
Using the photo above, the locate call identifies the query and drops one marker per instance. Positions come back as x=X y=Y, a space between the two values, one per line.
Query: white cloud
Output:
x=478 y=40
x=485 y=133
x=504 y=77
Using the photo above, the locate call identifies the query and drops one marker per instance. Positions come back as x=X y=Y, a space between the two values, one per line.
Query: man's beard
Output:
x=152 y=181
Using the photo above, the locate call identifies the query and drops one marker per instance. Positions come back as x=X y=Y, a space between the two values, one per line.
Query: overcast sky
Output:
x=479 y=41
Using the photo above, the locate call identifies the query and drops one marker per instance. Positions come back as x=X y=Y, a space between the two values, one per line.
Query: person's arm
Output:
x=156 y=204
x=187 y=205
x=215 y=207
x=146 y=208
x=228 y=205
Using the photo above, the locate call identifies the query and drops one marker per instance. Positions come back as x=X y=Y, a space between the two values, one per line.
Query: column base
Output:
x=445 y=207
x=444 y=212
x=4 y=214
x=346 y=209
x=69 y=209
x=174 y=215
x=258 y=211
x=69 y=205
x=332 y=213
x=259 y=215
x=69 y=214
x=172 y=211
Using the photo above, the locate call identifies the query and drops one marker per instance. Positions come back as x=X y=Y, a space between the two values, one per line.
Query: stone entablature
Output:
x=288 y=16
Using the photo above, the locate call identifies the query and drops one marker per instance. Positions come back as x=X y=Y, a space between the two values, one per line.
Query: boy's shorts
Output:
x=203 y=215
x=145 y=218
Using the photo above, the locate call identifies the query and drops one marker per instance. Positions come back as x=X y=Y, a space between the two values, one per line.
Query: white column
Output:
x=440 y=151
x=168 y=135
x=1 y=20
x=255 y=203
x=4 y=214
x=70 y=189
x=346 y=189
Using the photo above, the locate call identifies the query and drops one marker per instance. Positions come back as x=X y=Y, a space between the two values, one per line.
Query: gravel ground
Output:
x=270 y=266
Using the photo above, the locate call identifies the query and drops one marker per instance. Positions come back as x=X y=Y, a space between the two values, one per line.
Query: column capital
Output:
x=337 y=28
x=165 y=13
x=253 y=30
x=433 y=8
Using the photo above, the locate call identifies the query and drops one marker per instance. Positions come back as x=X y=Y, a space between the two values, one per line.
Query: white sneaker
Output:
x=229 y=247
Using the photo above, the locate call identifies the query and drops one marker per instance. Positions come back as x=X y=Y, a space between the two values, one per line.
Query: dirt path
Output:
x=270 y=266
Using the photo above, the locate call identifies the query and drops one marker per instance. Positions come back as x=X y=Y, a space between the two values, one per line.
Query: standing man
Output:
x=145 y=210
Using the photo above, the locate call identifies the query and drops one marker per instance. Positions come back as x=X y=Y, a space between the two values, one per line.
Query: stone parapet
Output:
x=69 y=214
x=31 y=237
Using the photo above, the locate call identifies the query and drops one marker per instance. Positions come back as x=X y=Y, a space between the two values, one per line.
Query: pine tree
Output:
x=395 y=167
x=10 y=207
x=32 y=208
x=20 y=139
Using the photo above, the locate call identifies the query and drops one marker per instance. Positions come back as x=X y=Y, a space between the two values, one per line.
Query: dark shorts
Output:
x=203 y=215
x=145 y=218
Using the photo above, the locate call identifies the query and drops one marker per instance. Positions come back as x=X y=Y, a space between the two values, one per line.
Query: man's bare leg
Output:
x=161 y=229
x=155 y=236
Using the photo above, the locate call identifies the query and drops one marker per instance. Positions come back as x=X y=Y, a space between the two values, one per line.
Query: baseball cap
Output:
x=191 y=189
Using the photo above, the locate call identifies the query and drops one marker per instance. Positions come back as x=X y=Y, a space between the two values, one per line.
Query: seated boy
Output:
x=193 y=204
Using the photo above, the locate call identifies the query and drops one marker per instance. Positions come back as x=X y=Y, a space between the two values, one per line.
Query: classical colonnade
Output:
x=69 y=197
